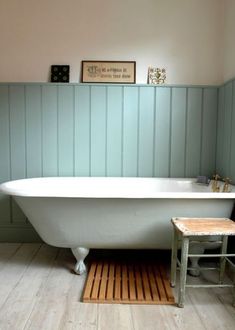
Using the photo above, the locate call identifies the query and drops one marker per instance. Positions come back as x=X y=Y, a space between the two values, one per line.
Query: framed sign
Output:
x=109 y=72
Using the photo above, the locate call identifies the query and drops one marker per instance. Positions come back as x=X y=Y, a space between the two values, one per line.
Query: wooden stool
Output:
x=185 y=230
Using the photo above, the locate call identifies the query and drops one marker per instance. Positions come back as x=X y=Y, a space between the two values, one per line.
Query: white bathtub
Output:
x=123 y=213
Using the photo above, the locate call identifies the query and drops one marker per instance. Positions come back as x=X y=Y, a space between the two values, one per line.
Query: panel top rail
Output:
x=110 y=85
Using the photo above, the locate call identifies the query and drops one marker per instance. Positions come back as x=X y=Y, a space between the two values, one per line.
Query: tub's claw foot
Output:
x=195 y=249
x=80 y=268
x=196 y=271
x=80 y=254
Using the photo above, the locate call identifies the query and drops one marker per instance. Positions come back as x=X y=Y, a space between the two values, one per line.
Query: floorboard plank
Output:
x=206 y=304
x=7 y=250
x=21 y=300
x=15 y=268
x=49 y=309
x=115 y=317
x=79 y=316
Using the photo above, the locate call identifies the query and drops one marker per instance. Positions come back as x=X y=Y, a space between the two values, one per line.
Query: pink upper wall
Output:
x=184 y=36
x=229 y=44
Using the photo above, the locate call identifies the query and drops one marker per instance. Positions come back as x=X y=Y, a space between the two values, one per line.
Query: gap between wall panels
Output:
x=111 y=130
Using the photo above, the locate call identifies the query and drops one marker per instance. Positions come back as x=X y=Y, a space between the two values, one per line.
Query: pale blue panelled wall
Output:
x=106 y=130
x=225 y=159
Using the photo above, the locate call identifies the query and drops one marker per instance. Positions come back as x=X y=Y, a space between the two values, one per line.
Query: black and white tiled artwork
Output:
x=60 y=73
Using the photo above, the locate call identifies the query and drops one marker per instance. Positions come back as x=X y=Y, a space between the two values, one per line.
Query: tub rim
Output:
x=23 y=192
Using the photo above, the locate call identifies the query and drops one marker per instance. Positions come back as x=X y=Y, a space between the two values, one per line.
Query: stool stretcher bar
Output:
x=193 y=268
x=210 y=255
x=209 y=285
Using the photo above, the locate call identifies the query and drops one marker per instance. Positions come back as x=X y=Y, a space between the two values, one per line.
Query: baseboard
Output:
x=24 y=234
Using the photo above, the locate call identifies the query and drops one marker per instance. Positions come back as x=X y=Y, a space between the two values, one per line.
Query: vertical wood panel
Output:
x=17 y=132
x=66 y=130
x=98 y=131
x=232 y=147
x=220 y=132
x=33 y=131
x=162 y=132
x=18 y=142
x=193 y=135
x=4 y=152
x=82 y=131
x=114 y=131
x=130 y=131
x=49 y=131
x=177 y=168
x=227 y=129
x=209 y=122
x=146 y=132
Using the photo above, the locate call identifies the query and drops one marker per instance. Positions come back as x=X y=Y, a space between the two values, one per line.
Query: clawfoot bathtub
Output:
x=118 y=213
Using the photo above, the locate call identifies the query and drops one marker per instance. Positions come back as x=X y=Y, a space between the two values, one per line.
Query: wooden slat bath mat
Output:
x=125 y=283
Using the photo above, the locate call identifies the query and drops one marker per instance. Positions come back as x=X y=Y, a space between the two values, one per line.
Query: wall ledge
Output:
x=108 y=85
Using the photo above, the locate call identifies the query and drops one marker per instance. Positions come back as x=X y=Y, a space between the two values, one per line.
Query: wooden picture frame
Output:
x=113 y=72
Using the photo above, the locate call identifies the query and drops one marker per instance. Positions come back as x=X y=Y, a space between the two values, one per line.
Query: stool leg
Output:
x=174 y=257
x=234 y=290
x=223 y=259
x=183 y=270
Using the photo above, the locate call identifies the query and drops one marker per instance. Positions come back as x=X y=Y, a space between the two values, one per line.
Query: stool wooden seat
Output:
x=186 y=230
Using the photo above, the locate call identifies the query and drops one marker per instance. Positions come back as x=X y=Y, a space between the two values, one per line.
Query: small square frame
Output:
x=60 y=73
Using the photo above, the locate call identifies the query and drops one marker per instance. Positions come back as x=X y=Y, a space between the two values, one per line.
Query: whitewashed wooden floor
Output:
x=38 y=290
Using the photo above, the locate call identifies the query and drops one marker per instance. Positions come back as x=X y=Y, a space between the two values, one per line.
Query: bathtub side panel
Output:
x=114 y=223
